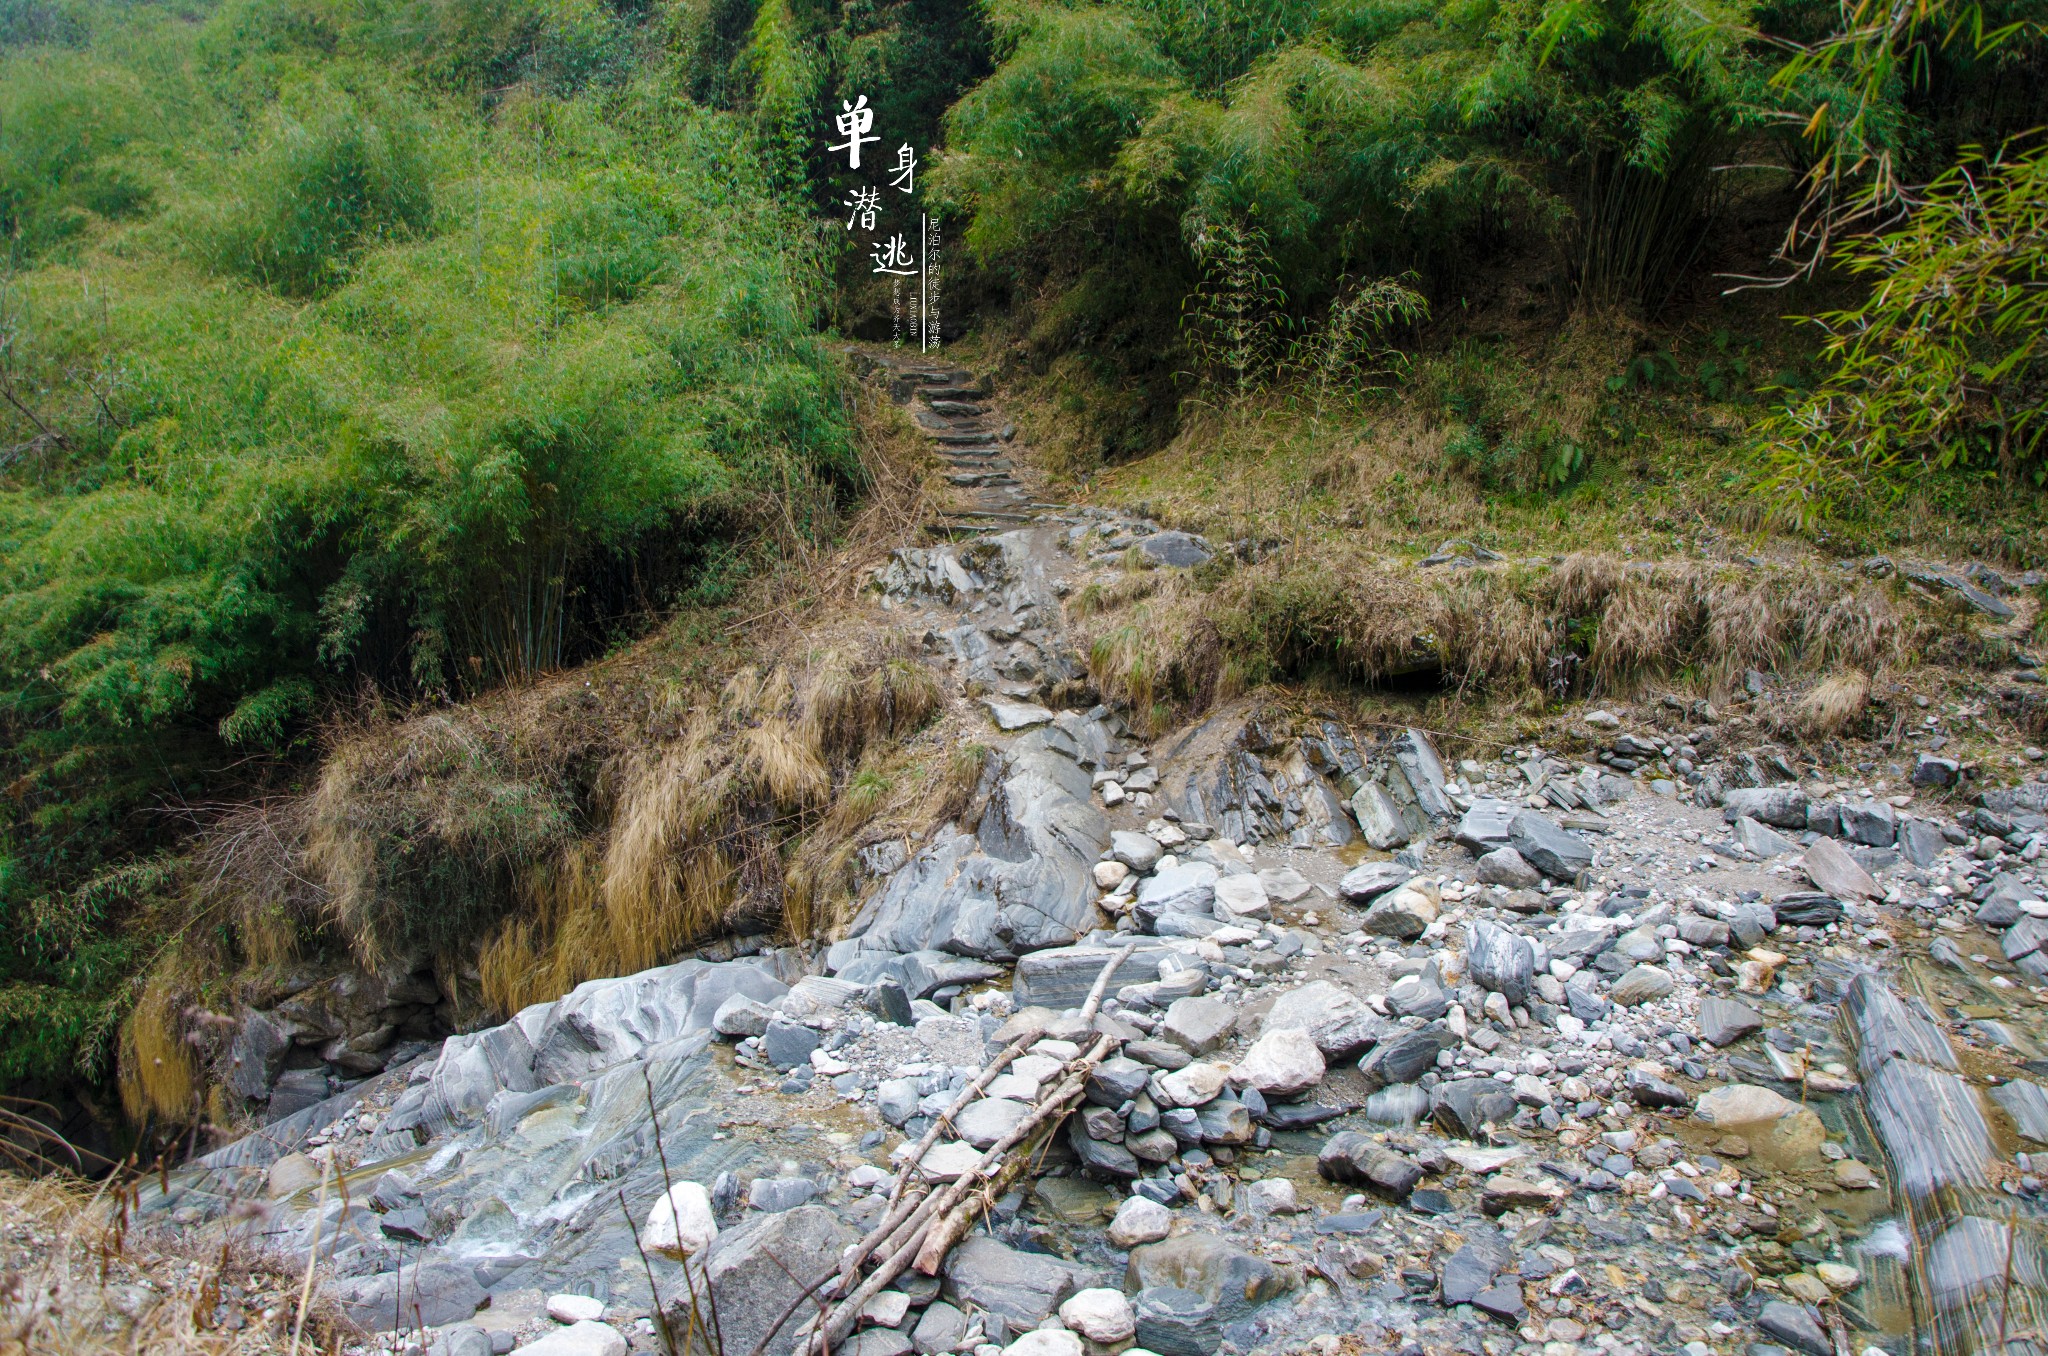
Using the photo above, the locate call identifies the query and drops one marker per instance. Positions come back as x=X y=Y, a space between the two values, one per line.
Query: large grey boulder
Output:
x=1920 y=842
x=1382 y=822
x=1486 y=826
x=1019 y=1288
x=1189 y=888
x=1558 y=853
x=429 y=1294
x=1198 y=1025
x=1467 y=1106
x=1500 y=960
x=1784 y=806
x=1235 y=1281
x=1403 y=913
x=257 y=1053
x=1369 y=880
x=1506 y=867
x=1423 y=772
x=1175 y=1322
x=1643 y=984
x=1349 y=1158
x=1834 y=872
x=1020 y=882
x=758 y=1269
x=1870 y=822
x=1341 y=1025
x=1724 y=1021
x=1139 y=851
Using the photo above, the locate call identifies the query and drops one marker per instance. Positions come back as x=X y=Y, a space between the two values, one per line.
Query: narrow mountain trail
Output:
x=1537 y=1051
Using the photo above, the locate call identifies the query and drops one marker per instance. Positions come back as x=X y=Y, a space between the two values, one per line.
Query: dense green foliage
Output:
x=418 y=345
x=1945 y=361
x=1592 y=145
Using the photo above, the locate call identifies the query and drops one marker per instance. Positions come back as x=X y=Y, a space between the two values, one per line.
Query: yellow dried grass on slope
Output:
x=1833 y=705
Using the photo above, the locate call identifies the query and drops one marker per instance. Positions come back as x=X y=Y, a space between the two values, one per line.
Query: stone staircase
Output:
x=985 y=476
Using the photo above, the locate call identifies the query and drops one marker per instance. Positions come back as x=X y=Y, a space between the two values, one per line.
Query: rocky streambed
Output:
x=1667 y=1046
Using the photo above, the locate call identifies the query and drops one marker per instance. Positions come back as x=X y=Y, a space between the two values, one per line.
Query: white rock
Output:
x=681 y=1223
x=575 y=1308
x=1013 y=1086
x=1282 y=1063
x=984 y=1122
x=1473 y=1158
x=1139 y=1220
x=1047 y=1342
x=1100 y=1315
x=1039 y=1069
x=1241 y=897
x=946 y=1162
x=1272 y=1196
x=1196 y=1085
x=1109 y=875
x=887 y=1309
x=740 y=1016
x=578 y=1339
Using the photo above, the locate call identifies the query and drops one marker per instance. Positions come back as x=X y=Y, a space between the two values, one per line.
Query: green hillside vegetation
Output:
x=424 y=349
x=1185 y=198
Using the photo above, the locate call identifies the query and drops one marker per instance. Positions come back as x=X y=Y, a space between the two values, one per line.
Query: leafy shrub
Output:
x=66 y=120
x=325 y=181
x=1945 y=361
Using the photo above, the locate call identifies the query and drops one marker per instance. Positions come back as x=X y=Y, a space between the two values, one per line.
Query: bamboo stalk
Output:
x=1051 y=1108
x=917 y=1216
x=1101 y=985
x=943 y=1217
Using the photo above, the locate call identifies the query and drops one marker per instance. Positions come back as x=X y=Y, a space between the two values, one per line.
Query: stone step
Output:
x=962 y=391
x=979 y=478
x=958 y=408
x=964 y=439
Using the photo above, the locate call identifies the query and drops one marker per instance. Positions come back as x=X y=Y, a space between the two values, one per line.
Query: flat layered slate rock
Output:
x=1931 y=1127
x=1724 y=1021
x=2027 y=1103
x=1021 y=1288
x=1792 y=1325
x=1486 y=826
x=1557 y=853
x=1889 y=1027
x=1061 y=977
x=1965 y=1263
x=1369 y=880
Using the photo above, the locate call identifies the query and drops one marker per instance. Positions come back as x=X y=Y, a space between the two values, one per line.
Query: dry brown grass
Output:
x=79 y=1281
x=1590 y=624
x=1490 y=637
x=748 y=818
x=158 y=1071
x=1833 y=705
